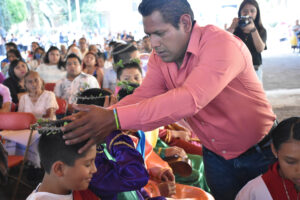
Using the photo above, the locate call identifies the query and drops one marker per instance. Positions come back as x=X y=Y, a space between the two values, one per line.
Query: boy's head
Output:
x=124 y=52
x=62 y=162
x=130 y=72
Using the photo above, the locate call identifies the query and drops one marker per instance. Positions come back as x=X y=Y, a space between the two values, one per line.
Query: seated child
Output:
x=162 y=179
x=282 y=180
x=128 y=72
x=67 y=173
x=40 y=102
x=121 y=172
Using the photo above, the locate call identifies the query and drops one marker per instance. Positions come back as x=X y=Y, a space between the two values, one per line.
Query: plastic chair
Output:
x=17 y=121
x=50 y=86
x=13 y=107
x=62 y=108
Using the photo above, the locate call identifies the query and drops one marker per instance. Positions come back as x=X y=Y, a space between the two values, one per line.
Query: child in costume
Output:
x=282 y=180
x=121 y=171
x=162 y=179
x=67 y=173
x=129 y=81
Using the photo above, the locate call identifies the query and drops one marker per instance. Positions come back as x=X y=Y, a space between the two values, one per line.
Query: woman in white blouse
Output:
x=38 y=101
x=52 y=70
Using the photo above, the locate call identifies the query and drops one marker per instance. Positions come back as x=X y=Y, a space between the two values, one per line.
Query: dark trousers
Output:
x=226 y=177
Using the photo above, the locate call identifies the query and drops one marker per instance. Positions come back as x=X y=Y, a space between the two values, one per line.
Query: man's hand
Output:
x=92 y=123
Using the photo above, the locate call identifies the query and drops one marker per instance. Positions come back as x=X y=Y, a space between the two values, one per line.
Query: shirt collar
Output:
x=194 y=39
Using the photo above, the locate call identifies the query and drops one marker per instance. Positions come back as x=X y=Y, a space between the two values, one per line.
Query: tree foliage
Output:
x=12 y=12
x=17 y=10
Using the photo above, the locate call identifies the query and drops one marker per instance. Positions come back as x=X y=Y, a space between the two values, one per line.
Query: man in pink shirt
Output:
x=205 y=76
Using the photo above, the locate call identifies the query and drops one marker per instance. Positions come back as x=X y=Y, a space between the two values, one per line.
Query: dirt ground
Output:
x=281 y=80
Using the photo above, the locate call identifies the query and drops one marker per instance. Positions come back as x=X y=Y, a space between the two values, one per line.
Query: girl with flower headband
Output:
x=282 y=180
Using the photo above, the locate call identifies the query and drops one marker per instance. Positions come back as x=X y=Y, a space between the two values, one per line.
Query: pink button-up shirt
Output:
x=215 y=90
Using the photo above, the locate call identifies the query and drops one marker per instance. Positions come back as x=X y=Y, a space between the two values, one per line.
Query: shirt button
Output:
x=223 y=151
x=213 y=140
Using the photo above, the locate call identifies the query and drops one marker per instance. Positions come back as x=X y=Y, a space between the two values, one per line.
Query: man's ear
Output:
x=274 y=150
x=58 y=168
x=186 y=22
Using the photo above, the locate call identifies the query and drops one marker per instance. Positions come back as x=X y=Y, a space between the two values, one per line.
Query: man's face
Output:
x=73 y=67
x=82 y=43
x=147 y=44
x=168 y=42
x=34 y=46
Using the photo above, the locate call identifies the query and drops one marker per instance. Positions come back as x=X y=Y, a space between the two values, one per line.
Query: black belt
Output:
x=265 y=142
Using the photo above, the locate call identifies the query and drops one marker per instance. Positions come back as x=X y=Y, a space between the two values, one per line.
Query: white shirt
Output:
x=50 y=73
x=255 y=189
x=82 y=82
x=110 y=78
x=63 y=89
x=45 y=101
x=35 y=195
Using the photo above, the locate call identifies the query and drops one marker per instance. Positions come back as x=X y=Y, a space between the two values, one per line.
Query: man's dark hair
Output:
x=73 y=55
x=288 y=129
x=93 y=96
x=52 y=148
x=12 y=44
x=123 y=51
x=129 y=65
x=171 y=10
x=46 y=58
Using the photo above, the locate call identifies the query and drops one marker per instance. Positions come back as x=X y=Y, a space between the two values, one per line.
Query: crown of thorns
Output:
x=48 y=127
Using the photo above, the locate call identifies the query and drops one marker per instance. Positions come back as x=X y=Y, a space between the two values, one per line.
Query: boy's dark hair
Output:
x=60 y=63
x=127 y=89
x=11 y=71
x=123 y=51
x=16 y=52
x=12 y=44
x=288 y=129
x=171 y=10
x=93 y=96
x=52 y=147
x=129 y=65
x=73 y=55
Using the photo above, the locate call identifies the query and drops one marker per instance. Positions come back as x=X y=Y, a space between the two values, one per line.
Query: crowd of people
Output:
x=180 y=114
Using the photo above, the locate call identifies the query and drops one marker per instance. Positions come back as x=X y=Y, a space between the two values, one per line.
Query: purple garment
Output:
x=126 y=173
x=2 y=78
